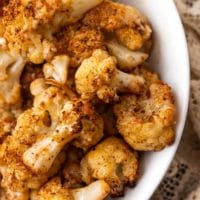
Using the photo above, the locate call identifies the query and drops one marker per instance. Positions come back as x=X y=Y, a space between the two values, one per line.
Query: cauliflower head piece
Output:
x=22 y=34
x=113 y=161
x=68 y=119
x=72 y=41
x=92 y=131
x=53 y=190
x=57 y=13
x=98 y=76
x=146 y=122
x=126 y=23
x=127 y=59
x=57 y=69
x=29 y=26
x=11 y=67
x=32 y=153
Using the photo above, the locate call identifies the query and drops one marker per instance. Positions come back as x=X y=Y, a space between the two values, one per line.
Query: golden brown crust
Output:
x=54 y=190
x=113 y=161
x=126 y=23
x=146 y=122
x=107 y=16
x=79 y=44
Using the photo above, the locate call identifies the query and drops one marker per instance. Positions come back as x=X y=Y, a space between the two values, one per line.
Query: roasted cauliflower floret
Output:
x=57 y=13
x=149 y=75
x=57 y=69
x=146 y=122
x=63 y=118
x=68 y=119
x=98 y=76
x=92 y=131
x=126 y=23
x=30 y=153
x=17 y=178
x=79 y=42
x=29 y=26
x=22 y=34
x=14 y=185
x=127 y=59
x=83 y=43
x=11 y=67
x=112 y=161
x=53 y=190
x=97 y=190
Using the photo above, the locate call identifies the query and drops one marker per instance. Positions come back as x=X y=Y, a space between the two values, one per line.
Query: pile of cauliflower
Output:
x=77 y=100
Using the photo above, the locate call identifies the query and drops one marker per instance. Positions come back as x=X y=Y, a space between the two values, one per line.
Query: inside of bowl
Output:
x=170 y=59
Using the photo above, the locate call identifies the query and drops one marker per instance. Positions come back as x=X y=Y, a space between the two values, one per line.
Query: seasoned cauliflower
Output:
x=126 y=23
x=112 y=161
x=54 y=14
x=15 y=184
x=22 y=34
x=53 y=120
x=57 y=69
x=71 y=170
x=53 y=190
x=98 y=76
x=64 y=121
x=11 y=67
x=17 y=179
x=126 y=58
x=29 y=26
x=68 y=119
x=92 y=131
x=146 y=122
x=97 y=190
x=79 y=42
x=149 y=76
x=83 y=43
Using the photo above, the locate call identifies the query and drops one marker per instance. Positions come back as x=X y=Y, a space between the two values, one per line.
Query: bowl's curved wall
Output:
x=170 y=59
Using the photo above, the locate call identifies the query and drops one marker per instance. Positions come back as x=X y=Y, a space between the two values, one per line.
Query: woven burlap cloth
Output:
x=182 y=181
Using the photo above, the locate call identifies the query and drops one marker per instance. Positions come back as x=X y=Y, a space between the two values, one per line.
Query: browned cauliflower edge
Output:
x=113 y=161
x=98 y=76
x=146 y=122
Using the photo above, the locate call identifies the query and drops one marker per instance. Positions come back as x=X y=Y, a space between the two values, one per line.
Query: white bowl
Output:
x=170 y=59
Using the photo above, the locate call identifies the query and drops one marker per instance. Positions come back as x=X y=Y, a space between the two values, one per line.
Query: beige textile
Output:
x=182 y=181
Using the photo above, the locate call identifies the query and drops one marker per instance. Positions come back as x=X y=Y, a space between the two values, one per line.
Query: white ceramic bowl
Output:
x=170 y=59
